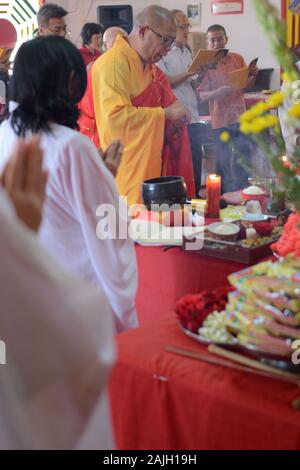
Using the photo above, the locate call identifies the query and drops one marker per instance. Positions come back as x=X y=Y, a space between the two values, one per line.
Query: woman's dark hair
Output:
x=49 y=79
x=88 y=30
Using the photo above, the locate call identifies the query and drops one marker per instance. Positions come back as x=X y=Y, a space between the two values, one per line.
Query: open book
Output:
x=239 y=78
x=207 y=57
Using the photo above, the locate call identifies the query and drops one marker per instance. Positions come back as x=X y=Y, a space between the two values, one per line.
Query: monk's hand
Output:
x=225 y=90
x=112 y=156
x=24 y=181
x=178 y=114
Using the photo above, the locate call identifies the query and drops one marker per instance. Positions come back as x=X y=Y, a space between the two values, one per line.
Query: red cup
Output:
x=254 y=197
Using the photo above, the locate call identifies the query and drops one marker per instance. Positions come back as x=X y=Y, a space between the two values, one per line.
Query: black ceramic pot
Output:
x=166 y=190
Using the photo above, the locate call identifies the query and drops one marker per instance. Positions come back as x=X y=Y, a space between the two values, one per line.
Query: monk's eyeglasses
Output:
x=167 y=41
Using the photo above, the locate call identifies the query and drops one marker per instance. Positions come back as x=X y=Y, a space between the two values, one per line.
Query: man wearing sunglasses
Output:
x=176 y=65
x=51 y=20
x=134 y=102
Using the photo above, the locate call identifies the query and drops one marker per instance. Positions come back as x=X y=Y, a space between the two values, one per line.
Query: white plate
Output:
x=255 y=217
x=214 y=229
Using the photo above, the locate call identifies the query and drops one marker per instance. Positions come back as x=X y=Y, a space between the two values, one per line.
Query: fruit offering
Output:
x=264 y=310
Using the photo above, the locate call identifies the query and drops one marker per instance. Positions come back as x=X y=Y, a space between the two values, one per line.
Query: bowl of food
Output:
x=266 y=184
x=263 y=228
x=223 y=231
x=254 y=193
x=166 y=190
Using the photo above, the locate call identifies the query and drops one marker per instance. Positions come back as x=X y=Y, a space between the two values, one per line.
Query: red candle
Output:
x=213 y=189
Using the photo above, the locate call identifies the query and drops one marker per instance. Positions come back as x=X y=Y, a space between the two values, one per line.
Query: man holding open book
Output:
x=223 y=88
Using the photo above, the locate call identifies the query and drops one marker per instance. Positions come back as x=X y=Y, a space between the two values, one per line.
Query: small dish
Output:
x=223 y=231
x=264 y=229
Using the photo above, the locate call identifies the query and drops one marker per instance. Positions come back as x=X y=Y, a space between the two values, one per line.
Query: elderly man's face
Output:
x=157 y=41
x=216 y=40
x=55 y=27
x=182 y=29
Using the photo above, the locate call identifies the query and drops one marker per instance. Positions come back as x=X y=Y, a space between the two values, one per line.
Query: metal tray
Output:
x=275 y=360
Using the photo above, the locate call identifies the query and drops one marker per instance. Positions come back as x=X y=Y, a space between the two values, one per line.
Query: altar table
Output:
x=166 y=275
x=164 y=401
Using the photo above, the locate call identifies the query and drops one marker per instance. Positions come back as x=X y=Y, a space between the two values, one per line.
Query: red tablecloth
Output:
x=253 y=98
x=164 y=276
x=164 y=401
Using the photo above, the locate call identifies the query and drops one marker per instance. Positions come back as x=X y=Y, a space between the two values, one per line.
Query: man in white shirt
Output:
x=175 y=65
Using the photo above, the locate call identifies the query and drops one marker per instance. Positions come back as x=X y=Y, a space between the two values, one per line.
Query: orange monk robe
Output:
x=86 y=120
x=176 y=153
x=118 y=77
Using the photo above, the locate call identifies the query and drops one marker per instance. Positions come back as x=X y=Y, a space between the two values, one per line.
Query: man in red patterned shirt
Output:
x=226 y=105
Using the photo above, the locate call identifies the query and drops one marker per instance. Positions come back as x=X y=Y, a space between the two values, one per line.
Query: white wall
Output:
x=245 y=35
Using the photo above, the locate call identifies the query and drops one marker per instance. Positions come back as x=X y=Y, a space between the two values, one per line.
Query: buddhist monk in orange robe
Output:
x=133 y=102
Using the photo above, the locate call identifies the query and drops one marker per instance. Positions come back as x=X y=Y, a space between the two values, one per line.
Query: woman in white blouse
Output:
x=49 y=79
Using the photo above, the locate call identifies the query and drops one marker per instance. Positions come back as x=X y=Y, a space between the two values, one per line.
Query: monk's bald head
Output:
x=155 y=15
x=153 y=34
x=110 y=35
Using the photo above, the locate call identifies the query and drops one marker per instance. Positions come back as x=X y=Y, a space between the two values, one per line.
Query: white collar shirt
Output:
x=176 y=62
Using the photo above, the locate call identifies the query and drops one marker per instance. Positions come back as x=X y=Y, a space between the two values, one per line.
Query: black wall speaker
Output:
x=115 y=15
